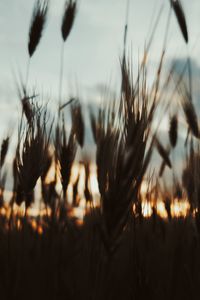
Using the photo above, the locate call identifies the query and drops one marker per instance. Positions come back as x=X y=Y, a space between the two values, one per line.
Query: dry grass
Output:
x=115 y=253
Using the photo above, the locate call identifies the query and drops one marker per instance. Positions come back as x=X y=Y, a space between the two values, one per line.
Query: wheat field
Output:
x=110 y=226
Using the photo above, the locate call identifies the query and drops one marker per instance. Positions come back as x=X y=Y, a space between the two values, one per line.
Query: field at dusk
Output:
x=99 y=150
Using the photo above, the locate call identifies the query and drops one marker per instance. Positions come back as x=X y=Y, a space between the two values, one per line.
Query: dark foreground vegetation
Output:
x=151 y=259
x=114 y=253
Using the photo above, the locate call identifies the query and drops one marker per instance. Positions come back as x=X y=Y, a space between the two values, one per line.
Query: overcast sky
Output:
x=93 y=49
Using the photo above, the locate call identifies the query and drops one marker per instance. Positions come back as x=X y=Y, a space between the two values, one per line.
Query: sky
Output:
x=94 y=47
x=92 y=51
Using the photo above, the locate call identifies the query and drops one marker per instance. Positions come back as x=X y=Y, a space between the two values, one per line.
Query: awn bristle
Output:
x=178 y=9
x=163 y=153
x=173 y=131
x=37 y=25
x=125 y=85
x=68 y=18
x=66 y=104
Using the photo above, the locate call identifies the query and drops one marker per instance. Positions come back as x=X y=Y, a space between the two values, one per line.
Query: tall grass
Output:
x=114 y=252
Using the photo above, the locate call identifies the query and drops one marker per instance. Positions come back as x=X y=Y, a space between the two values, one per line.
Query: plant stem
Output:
x=27 y=72
x=61 y=77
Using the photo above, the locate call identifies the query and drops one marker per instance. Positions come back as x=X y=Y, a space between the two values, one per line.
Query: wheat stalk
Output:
x=180 y=15
x=191 y=116
x=37 y=25
x=173 y=130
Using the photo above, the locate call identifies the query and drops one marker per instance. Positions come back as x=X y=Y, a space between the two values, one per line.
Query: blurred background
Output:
x=92 y=52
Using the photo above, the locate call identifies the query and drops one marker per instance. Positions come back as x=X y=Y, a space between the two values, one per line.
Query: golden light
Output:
x=178 y=208
x=146 y=209
x=161 y=210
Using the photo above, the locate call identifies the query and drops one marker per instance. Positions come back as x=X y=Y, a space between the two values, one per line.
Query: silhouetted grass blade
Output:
x=37 y=25
x=178 y=9
x=68 y=18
